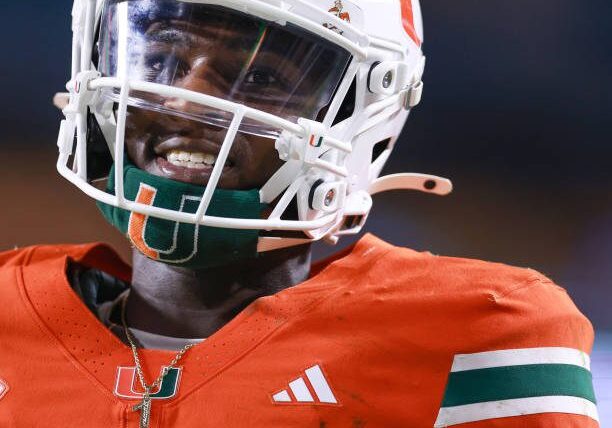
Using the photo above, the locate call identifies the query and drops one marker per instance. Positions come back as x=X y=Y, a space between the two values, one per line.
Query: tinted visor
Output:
x=282 y=70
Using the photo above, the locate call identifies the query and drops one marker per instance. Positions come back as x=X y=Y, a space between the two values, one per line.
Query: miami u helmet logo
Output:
x=338 y=10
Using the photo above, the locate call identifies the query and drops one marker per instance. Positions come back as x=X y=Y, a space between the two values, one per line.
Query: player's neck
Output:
x=188 y=303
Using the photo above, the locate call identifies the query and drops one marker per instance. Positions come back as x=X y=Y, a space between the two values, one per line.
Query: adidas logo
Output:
x=311 y=388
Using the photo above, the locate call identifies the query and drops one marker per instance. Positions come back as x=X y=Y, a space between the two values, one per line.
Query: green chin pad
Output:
x=184 y=244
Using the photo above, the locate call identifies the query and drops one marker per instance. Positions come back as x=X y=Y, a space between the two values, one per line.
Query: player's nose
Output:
x=201 y=78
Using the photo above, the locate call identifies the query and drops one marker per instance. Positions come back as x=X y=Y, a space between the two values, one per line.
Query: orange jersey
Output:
x=379 y=337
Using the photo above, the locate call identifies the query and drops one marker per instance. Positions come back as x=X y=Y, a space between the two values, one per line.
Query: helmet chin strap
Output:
x=184 y=244
x=412 y=181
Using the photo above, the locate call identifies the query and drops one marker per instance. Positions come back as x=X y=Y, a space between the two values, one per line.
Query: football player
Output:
x=223 y=138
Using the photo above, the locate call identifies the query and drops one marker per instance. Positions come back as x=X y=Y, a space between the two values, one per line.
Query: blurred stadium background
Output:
x=516 y=111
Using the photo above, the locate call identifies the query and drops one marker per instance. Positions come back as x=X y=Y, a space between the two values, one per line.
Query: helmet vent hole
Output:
x=379 y=148
x=347 y=108
x=351 y=222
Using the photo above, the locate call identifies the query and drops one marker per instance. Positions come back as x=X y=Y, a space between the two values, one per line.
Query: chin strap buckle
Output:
x=413 y=95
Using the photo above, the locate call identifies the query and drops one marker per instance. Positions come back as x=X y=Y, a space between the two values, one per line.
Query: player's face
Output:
x=186 y=150
x=278 y=69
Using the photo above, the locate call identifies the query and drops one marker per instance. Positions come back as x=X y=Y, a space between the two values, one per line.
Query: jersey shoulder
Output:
x=465 y=283
x=397 y=285
x=461 y=305
x=14 y=257
x=40 y=257
x=451 y=275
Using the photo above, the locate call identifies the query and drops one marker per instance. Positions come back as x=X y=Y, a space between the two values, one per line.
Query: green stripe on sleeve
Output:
x=523 y=381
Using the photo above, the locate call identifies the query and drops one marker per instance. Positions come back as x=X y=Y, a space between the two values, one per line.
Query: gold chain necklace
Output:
x=145 y=405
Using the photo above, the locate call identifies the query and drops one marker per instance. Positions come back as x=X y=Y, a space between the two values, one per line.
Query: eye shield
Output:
x=282 y=70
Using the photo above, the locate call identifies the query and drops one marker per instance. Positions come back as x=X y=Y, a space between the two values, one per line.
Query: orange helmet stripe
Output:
x=408 y=20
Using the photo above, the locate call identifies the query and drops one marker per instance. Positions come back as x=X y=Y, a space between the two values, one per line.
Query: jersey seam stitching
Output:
x=529 y=283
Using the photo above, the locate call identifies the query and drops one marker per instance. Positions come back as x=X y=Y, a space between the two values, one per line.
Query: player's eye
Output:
x=156 y=65
x=261 y=78
x=164 y=66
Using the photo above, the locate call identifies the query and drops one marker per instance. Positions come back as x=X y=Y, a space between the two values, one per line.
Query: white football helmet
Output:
x=333 y=156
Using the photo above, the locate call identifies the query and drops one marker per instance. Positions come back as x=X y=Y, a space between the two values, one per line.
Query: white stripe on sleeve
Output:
x=456 y=415
x=518 y=357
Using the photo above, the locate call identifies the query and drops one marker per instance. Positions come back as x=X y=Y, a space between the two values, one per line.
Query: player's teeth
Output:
x=196 y=165
x=197 y=157
x=190 y=160
x=209 y=159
